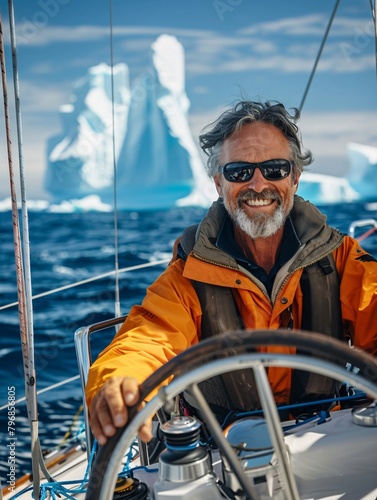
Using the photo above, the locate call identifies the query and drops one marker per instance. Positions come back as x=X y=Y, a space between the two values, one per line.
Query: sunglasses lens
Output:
x=238 y=172
x=275 y=170
x=272 y=170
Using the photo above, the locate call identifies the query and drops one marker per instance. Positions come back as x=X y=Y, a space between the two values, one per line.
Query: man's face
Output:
x=258 y=206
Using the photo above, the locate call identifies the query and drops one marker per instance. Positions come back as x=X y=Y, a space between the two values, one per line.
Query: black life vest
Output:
x=320 y=284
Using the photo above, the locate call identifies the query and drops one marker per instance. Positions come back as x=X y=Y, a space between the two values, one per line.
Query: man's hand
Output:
x=109 y=408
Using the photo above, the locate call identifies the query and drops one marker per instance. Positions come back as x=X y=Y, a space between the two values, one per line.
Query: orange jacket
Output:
x=169 y=319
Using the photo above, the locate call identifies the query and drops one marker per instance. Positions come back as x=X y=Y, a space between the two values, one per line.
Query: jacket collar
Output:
x=316 y=236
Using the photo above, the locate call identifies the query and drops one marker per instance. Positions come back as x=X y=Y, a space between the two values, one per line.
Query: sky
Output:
x=258 y=49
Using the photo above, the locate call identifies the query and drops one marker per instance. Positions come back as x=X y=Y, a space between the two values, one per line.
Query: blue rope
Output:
x=51 y=489
x=235 y=415
x=299 y=405
x=80 y=431
x=57 y=488
x=132 y=452
x=322 y=417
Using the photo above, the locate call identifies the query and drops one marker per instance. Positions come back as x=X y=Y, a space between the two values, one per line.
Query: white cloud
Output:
x=28 y=33
x=283 y=63
x=313 y=25
x=264 y=45
x=308 y=25
x=278 y=51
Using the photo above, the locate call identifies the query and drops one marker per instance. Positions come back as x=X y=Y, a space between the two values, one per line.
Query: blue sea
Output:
x=69 y=247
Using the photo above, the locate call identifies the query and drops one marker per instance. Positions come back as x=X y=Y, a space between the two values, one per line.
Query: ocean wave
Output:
x=91 y=203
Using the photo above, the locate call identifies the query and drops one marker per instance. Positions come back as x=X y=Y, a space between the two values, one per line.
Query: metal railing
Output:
x=362 y=223
x=84 y=361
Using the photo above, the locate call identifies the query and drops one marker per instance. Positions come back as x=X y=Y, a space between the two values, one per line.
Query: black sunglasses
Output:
x=242 y=171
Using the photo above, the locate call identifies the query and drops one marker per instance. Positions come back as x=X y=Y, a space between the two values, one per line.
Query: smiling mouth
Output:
x=259 y=202
x=265 y=198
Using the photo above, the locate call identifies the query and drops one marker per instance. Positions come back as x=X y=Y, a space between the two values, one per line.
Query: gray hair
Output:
x=248 y=112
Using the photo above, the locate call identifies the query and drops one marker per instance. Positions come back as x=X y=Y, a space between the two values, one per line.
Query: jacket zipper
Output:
x=306 y=265
x=243 y=271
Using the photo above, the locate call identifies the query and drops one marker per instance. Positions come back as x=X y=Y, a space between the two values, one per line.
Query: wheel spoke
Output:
x=276 y=434
x=223 y=444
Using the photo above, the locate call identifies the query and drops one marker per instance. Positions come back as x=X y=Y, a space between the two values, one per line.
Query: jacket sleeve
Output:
x=167 y=323
x=358 y=293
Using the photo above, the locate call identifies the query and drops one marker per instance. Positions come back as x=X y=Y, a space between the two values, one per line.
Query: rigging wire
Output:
x=89 y=280
x=27 y=335
x=45 y=389
x=25 y=242
x=318 y=55
x=116 y=252
x=27 y=353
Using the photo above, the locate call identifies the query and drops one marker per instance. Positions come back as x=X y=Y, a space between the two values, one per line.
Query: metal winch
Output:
x=185 y=466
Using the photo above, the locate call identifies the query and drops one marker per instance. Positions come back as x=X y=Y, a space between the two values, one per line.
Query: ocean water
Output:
x=66 y=248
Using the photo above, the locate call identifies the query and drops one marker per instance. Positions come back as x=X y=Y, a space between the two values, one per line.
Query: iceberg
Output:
x=81 y=159
x=323 y=189
x=358 y=185
x=158 y=164
x=90 y=203
x=363 y=172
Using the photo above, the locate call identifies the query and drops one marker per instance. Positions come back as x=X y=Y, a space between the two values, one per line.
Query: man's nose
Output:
x=258 y=182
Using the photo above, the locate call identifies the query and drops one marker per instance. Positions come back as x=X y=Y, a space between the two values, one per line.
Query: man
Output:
x=271 y=249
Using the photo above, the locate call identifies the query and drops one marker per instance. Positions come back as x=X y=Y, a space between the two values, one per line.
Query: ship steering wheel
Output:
x=234 y=351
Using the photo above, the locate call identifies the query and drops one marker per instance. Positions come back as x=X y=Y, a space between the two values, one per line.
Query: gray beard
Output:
x=262 y=225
